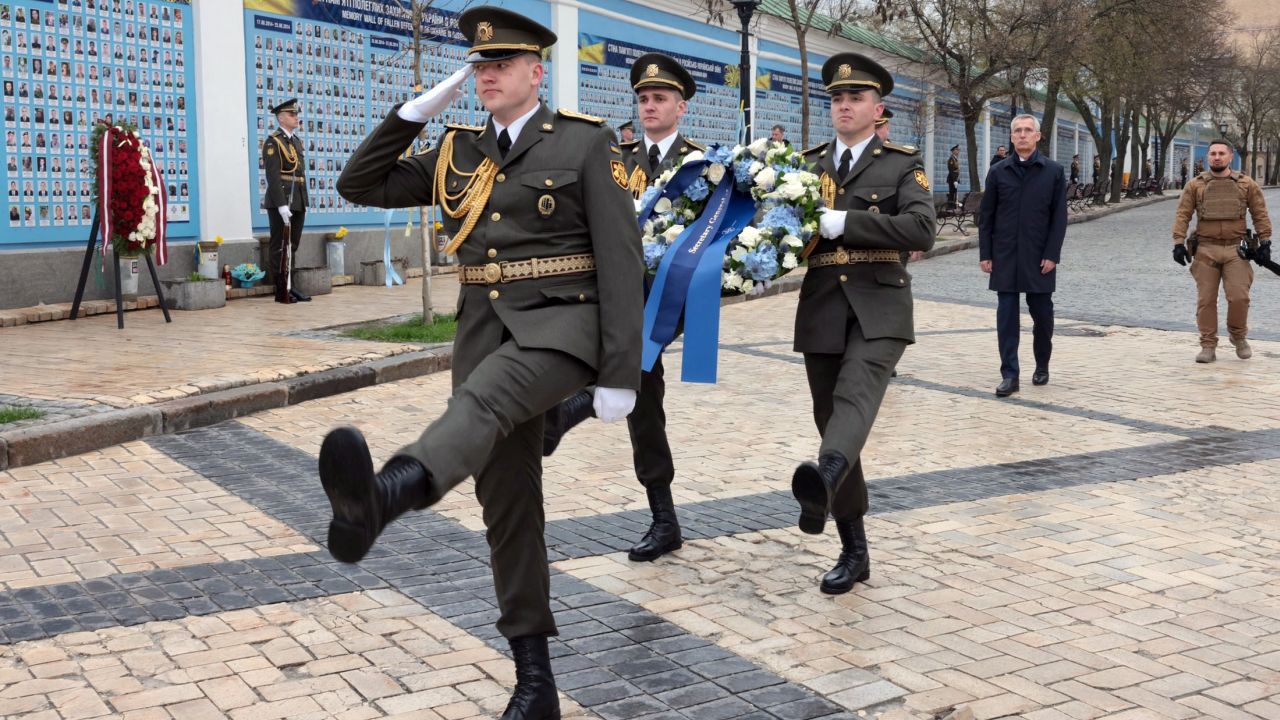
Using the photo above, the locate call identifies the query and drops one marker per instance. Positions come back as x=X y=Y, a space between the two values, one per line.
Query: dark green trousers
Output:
x=647 y=425
x=492 y=430
x=847 y=390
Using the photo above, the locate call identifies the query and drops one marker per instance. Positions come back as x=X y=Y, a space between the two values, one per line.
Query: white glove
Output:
x=831 y=224
x=285 y=213
x=613 y=404
x=433 y=102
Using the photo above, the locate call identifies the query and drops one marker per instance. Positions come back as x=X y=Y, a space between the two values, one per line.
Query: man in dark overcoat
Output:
x=1021 y=226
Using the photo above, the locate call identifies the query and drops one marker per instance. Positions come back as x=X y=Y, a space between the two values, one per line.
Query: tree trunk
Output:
x=1050 y=112
x=971 y=140
x=1121 y=122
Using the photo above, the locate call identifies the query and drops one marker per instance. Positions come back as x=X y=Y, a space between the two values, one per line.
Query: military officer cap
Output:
x=498 y=34
x=662 y=71
x=851 y=71
x=628 y=125
x=290 y=106
x=884 y=118
x=955 y=147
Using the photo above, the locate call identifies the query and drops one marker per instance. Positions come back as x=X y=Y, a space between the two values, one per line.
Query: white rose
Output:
x=715 y=173
x=663 y=205
x=759 y=146
x=792 y=241
x=749 y=237
x=732 y=280
x=791 y=190
x=789 y=261
x=648 y=227
x=766 y=178
x=738 y=253
x=673 y=232
x=689 y=214
x=756 y=166
x=694 y=156
x=747 y=284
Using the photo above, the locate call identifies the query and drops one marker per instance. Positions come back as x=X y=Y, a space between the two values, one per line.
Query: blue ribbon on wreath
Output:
x=689 y=276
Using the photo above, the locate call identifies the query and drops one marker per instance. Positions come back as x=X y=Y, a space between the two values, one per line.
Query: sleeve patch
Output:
x=619 y=170
x=922 y=180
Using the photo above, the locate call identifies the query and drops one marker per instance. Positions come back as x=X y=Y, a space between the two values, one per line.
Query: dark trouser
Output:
x=847 y=390
x=647 y=424
x=492 y=429
x=1008 y=327
x=279 y=262
x=953 y=186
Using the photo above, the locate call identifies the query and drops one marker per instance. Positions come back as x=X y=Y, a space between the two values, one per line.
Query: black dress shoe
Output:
x=1007 y=387
x=664 y=534
x=1041 y=377
x=564 y=417
x=814 y=486
x=854 y=565
x=364 y=503
x=299 y=297
x=535 y=696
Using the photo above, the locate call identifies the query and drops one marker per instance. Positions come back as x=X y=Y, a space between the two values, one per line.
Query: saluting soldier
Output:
x=663 y=89
x=535 y=202
x=286 y=198
x=854 y=318
x=1219 y=199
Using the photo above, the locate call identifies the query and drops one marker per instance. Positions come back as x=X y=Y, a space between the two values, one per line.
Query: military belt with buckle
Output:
x=852 y=257
x=505 y=272
x=292 y=178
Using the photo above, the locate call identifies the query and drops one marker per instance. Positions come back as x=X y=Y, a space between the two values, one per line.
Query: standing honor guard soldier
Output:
x=882 y=124
x=663 y=89
x=286 y=199
x=535 y=202
x=953 y=175
x=1219 y=199
x=854 y=318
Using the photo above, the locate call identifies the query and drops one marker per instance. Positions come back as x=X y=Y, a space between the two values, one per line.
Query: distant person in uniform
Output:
x=1075 y=169
x=286 y=198
x=953 y=175
x=627 y=132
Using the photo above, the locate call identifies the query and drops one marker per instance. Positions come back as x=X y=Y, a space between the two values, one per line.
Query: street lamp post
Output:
x=745 y=8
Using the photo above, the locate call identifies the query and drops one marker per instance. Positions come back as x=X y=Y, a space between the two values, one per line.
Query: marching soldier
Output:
x=953 y=175
x=882 y=124
x=286 y=199
x=535 y=202
x=663 y=89
x=854 y=319
x=1220 y=198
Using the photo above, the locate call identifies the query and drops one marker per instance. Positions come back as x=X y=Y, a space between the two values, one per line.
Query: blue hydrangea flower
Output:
x=762 y=263
x=742 y=173
x=698 y=190
x=649 y=194
x=653 y=253
x=720 y=154
x=782 y=217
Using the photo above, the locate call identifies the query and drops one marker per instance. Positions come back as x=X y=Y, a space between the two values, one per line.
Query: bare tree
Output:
x=1253 y=90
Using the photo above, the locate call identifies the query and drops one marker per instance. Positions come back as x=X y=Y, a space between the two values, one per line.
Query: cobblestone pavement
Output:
x=1104 y=546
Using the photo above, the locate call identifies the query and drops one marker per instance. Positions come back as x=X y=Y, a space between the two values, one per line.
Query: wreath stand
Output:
x=115 y=278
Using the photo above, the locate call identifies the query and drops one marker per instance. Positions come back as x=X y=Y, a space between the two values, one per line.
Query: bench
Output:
x=957 y=216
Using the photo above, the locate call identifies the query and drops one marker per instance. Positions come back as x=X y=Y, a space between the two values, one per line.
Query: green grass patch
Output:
x=408 y=331
x=14 y=414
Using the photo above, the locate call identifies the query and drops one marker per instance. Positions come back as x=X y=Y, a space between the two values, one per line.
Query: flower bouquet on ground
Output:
x=787 y=199
x=729 y=221
x=247 y=275
x=129 y=192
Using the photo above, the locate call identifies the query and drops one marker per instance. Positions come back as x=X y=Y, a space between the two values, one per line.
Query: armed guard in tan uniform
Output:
x=551 y=299
x=1219 y=198
x=854 y=318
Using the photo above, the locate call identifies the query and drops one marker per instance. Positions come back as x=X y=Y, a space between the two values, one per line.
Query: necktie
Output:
x=654 y=157
x=504 y=142
x=845 y=159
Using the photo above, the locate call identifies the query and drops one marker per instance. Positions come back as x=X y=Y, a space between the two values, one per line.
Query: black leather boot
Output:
x=298 y=296
x=814 y=486
x=564 y=417
x=535 y=697
x=364 y=503
x=854 y=565
x=664 y=534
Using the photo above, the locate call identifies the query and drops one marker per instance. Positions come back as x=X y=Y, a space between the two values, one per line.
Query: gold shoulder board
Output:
x=906 y=149
x=580 y=116
x=695 y=145
x=629 y=145
x=466 y=128
x=814 y=149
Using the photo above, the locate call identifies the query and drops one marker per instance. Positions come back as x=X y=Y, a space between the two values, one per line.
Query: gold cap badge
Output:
x=844 y=72
x=484 y=31
x=651 y=71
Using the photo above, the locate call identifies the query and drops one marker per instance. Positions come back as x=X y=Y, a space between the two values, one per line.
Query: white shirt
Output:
x=855 y=151
x=288 y=133
x=664 y=144
x=516 y=125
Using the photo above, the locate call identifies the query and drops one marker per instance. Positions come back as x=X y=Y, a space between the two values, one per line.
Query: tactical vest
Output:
x=1221 y=199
